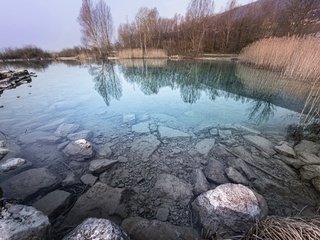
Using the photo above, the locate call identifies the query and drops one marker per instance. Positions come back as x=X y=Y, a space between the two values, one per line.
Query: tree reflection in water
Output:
x=107 y=83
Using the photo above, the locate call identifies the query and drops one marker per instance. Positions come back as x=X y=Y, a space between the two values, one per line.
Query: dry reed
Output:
x=294 y=57
x=138 y=53
x=280 y=228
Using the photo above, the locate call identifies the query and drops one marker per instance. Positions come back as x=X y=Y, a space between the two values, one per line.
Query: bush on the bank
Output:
x=285 y=229
x=27 y=52
x=72 y=52
x=138 y=53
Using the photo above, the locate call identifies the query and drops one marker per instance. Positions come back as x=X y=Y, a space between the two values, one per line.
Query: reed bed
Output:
x=139 y=54
x=295 y=58
x=280 y=228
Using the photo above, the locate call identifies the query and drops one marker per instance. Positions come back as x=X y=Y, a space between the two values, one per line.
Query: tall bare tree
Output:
x=96 y=26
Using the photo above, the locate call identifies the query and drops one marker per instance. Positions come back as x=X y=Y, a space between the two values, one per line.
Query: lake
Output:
x=149 y=119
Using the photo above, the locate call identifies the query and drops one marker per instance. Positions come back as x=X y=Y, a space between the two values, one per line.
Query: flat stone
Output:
x=128 y=118
x=100 y=201
x=88 y=179
x=145 y=146
x=11 y=164
x=214 y=172
x=62 y=145
x=97 y=229
x=242 y=167
x=171 y=187
x=141 y=127
x=28 y=183
x=51 y=125
x=79 y=150
x=162 y=214
x=229 y=209
x=204 y=146
x=38 y=136
x=214 y=132
x=100 y=165
x=261 y=143
x=247 y=129
x=236 y=177
x=286 y=150
x=104 y=150
x=309 y=158
x=307 y=146
x=84 y=134
x=52 y=202
x=65 y=129
x=19 y=222
x=143 y=229
x=200 y=183
x=3 y=152
x=309 y=172
x=225 y=134
x=294 y=162
x=166 y=132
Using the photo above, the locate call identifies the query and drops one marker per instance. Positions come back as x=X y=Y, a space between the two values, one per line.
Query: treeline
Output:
x=199 y=30
x=27 y=52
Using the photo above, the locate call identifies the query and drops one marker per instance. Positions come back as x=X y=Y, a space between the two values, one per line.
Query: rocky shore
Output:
x=153 y=179
x=12 y=79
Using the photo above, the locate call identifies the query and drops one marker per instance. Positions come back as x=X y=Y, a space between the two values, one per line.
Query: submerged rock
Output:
x=52 y=202
x=261 y=143
x=225 y=134
x=166 y=132
x=200 y=183
x=11 y=164
x=141 y=127
x=307 y=147
x=229 y=208
x=38 y=136
x=163 y=214
x=128 y=118
x=309 y=172
x=65 y=129
x=204 y=146
x=95 y=229
x=316 y=183
x=171 y=187
x=89 y=179
x=3 y=152
x=84 y=134
x=79 y=150
x=214 y=172
x=145 y=146
x=242 y=167
x=104 y=150
x=143 y=229
x=100 y=165
x=28 y=183
x=18 y=222
x=286 y=150
x=101 y=201
x=236 y=176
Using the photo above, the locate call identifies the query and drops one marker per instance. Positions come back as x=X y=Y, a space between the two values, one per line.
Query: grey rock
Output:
x=204 y=146
x=141 y=127
x=236 y=177
x=97 y=229
x=166 y=132
x=145 y=146
x=3 y=152
x=100 y=165
x=200 y=183
x=104 y=150
x=171 y=187
x=294 y=162
x=84 y=134
x=309 y=172
x=38 y=136
x=247 y=129
x=128 y=118
x=2 y=144
x=286 y=150
x=214 y=132
x=122 y=159
x=65 y=129
x=20 y=222
x=51 y=125
x=11 y=164
x=100 y=201
x=307 y=146
x=242 y=167
x=316 y=183
x=143 y=229
x=52 y=202
x=225 y=134
x=62 y=145
x=309 y=158
x=229 y=209
x=242 y=153
x=69 y=180
x=79 y=150
x=88 y=179
x=214 y=172
x=261 y=143
x=162 y=214
x=28 y=183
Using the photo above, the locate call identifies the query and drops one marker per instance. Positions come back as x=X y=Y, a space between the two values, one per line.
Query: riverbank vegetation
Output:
x=27 y=52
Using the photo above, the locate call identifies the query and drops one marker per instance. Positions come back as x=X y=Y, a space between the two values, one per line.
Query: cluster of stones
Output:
x=12 y=79
x=221 y=167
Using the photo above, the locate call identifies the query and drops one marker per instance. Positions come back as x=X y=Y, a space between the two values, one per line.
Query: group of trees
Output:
x=27 y=52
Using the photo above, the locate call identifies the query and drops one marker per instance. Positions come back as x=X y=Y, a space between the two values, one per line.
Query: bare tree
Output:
x=96 y=26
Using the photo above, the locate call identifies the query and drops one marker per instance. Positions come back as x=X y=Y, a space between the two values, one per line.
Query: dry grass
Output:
x=138 y=53
x=280 y=228
x=295 y=58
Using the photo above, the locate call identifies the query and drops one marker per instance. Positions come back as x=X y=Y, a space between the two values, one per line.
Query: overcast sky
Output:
x=52 y=24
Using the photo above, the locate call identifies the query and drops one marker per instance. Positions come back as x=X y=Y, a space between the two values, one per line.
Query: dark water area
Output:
x=151 y=118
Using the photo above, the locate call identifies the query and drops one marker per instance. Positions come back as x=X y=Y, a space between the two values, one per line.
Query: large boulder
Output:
x=229 y=209
x=100 y=201
x=143 y=229
x=28 y=183
x=18 y=222
x=79 y=150
x=94 y=229
x=171 y=187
